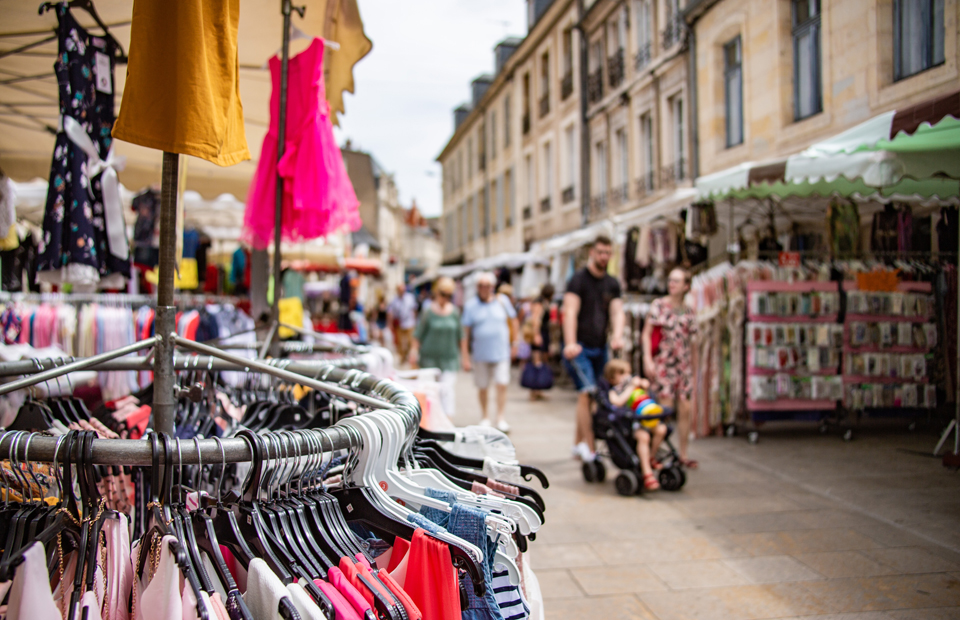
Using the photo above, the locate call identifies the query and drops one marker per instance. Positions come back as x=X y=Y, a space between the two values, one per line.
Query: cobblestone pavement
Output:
x=800 y=525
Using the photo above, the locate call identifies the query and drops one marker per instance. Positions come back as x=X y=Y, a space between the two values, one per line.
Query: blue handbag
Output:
x=535 y=377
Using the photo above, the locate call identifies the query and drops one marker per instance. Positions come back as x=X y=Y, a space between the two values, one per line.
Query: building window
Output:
x=499 y=195
x=493 y=136
x=645 y=184
x=679 y=171
x=547 y=177
x=806 y=58
x=566 y=83
x=544 y=84
x=528 y=168
x=643 y=20
x=623 y=164
x=526 y=103
x=462 y=223
x=595 y=77
x=459 y=169
x=496 y=219
x=486 y=211
x=733 y=92
x=506 y=121
x=570 y=165
x=601 y=169
x=917 y=36
x=511 y=197
x=469 y=158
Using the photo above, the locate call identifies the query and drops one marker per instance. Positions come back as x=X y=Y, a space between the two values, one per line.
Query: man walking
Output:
x=486 y=323
x=591 y=304
x=402 y=317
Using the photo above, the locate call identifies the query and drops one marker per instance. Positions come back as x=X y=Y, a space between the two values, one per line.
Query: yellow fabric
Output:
x=343 y=25
x=291 y=313
x=11 y=241
x=182 y=93
x=186 y=277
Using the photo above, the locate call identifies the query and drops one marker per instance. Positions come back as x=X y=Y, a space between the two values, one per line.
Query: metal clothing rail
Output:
x=382 y=393
x=309 y=368
x=112 y=298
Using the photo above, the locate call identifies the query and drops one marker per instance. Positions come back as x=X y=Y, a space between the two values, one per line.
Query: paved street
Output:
x=799 y=526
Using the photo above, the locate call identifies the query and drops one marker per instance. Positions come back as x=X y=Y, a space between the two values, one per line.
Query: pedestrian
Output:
x=539 y=331
x=486 y=345
x=402 y=315
x=591 y=304
x=671 y=367
x=437 y=341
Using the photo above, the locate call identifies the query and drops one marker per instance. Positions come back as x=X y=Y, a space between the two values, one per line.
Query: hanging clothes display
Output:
x=318 y=197
x=182 y=93
x=84 y=239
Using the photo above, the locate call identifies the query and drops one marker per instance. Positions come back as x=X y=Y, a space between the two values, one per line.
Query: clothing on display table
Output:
x=318 y=197
x=182 y=93
x=84 y=239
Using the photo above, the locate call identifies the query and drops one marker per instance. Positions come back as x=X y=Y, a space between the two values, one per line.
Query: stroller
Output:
x=614 y=425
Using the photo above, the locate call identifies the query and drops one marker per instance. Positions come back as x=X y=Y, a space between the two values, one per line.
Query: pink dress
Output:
x=318 y=197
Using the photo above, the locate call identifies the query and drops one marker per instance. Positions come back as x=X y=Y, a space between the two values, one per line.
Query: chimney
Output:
x=460 y=114
x=479 y=87
x=504 y=50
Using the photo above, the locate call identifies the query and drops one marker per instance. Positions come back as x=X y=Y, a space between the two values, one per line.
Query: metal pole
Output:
x=138 y=452
x=330 y=388
x=59 y=371
x=308 y=368
x=286 y=8
x=166 y=320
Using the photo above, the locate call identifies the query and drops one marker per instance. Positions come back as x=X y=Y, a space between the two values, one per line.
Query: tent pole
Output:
x=163 y=396
x=286 y=8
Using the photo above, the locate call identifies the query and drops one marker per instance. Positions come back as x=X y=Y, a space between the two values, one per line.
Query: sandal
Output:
x=689 y=463
x=650 y=482
x=656 y=465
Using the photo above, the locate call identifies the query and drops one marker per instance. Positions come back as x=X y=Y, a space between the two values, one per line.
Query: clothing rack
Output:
x=370 y=390
x=112 y=298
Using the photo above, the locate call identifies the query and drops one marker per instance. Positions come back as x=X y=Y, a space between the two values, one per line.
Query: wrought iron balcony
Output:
x=645 y=184
x=642 y=59
x=615 y=68
x=526 y=122
x=566 y=86
x=595 y=86
x=675 y=32
x=598 y=205
x=544 y=105
x=672 y=173
x=545 y=204
x=482 y=164
x=567 y=196
x=618 y=195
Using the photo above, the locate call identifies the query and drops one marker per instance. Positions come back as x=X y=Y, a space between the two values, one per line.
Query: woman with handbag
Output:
x=436 y=341
x=537 y=376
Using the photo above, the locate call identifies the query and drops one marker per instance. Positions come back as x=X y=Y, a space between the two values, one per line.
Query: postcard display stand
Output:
x=888 y=339
x=793 y=361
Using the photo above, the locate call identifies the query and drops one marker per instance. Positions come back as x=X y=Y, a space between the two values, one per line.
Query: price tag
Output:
x=102 y=70
x=789 y=259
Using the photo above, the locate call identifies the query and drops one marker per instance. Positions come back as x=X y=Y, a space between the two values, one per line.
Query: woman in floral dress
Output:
x=671 y=368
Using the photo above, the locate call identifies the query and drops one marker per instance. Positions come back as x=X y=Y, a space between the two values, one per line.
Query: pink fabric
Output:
x=218 y=607
x=347 y=589
x=318 y=197
x=119 y=569
x=344 y=609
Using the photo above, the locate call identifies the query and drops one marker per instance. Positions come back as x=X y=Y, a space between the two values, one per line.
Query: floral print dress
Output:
x=74 y=247
x=674 y=359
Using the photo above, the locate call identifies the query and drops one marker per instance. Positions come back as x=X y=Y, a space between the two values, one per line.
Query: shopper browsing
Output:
x=487 y=322
x=591 y=304
x=633 y=393
x=402 y=316
x=436 y=341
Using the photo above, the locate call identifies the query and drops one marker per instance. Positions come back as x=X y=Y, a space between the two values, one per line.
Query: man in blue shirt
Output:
x=486 y=324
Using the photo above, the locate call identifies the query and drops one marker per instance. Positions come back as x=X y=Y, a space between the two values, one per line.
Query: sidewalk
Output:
x=798 y=526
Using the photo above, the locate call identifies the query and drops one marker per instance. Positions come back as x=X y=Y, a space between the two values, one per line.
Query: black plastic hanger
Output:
x=87 y=6
x=454 y=459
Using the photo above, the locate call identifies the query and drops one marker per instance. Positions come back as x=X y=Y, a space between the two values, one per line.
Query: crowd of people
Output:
x=583 y=327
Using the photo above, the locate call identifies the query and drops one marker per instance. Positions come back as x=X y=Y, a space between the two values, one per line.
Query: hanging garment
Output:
x=30 y=595
x=920 y=242
x=145 y=239
x=947 y=233
x=182 y=93
x=318 y=197
x=843 y=218
x=84 y=239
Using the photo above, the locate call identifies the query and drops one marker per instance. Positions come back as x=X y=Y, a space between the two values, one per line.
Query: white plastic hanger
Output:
x=295 y=34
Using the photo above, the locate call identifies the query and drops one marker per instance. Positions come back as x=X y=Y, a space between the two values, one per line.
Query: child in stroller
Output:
x=632 y=425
